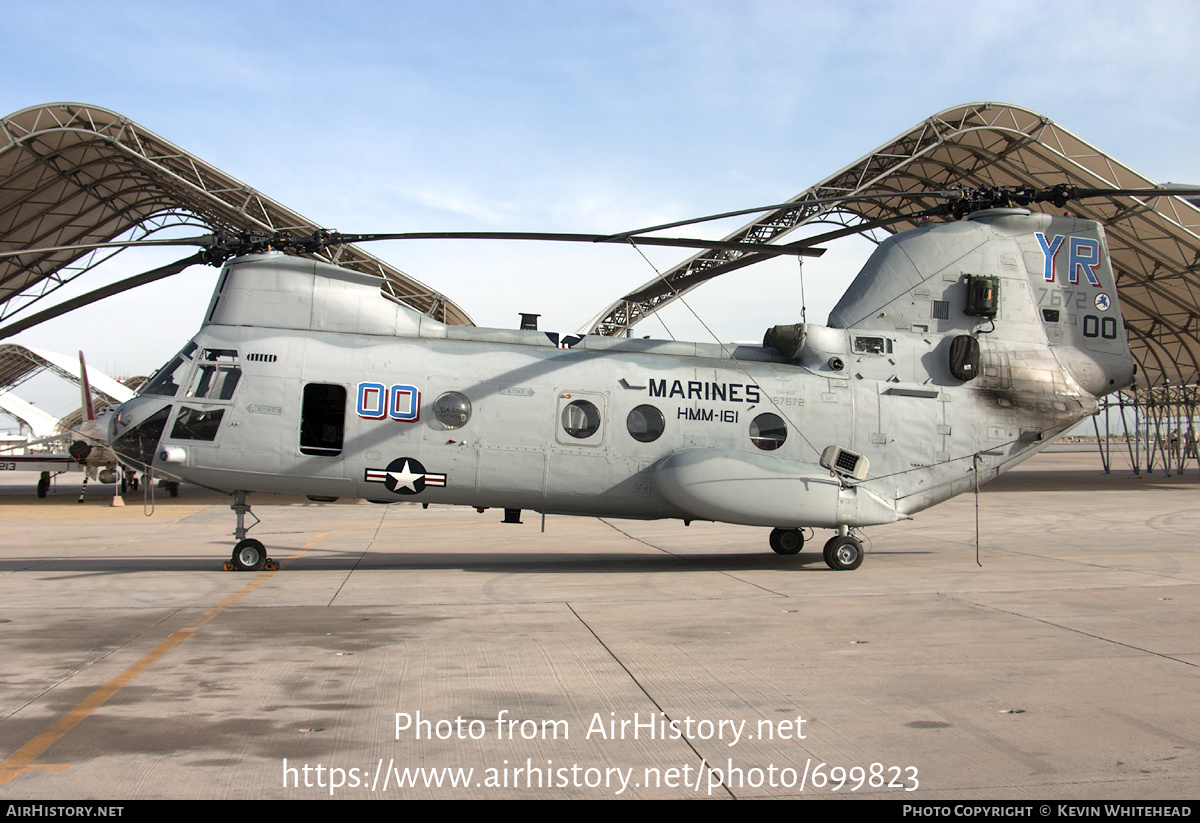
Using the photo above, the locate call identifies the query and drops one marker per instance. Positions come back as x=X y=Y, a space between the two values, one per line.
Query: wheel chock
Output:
x=269 y=566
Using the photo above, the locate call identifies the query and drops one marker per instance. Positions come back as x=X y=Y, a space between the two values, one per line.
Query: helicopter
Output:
x=961 y=349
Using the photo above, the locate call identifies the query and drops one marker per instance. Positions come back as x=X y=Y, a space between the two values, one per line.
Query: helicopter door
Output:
x=908 y=433
x=579 y=462
x=513 y=431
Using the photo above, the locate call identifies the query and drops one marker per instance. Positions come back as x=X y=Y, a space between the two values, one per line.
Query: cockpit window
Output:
x=197 y=424
x=167 y=380
x=216 y=376
x=215 y=382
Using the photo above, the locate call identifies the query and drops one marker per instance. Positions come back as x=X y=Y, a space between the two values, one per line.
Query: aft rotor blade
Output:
x=794 y=204
x=1182 y=191
x=682 y=242
x=99 y=294
x=951 y=195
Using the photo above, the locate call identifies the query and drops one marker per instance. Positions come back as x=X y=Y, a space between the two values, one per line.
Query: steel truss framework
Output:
x=1154 y=243
x=72 y=174
x=1158 y=428
x=19 y=363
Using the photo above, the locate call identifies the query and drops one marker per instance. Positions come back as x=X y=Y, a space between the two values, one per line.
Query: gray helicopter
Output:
x=960 y=350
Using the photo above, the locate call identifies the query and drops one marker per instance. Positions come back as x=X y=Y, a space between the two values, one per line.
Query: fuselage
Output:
x=305 y=379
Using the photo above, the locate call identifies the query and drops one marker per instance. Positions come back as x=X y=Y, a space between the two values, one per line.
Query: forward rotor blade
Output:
x=99 y=294
x=204 y=240
x=682 y=242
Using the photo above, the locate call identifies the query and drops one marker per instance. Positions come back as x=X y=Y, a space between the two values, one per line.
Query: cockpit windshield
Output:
x=167 y=380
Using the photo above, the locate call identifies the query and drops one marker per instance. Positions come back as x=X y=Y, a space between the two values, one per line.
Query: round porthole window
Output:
x=452 y=410
x=645 y=424
x=768 y=431
x=581 y=419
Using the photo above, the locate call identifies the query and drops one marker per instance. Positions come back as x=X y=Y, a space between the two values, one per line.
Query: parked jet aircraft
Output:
x=88 y=453
x=960 y=350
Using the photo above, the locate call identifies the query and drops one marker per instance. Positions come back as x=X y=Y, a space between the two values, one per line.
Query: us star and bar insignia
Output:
x=404 y=475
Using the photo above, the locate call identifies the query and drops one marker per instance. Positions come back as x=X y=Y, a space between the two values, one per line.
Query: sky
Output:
x=572 y=117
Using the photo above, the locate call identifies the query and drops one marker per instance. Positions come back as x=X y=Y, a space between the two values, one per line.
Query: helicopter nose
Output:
x=136 y=427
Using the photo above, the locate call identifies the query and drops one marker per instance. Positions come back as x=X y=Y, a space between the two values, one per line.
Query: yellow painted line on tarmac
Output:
x=21 y=760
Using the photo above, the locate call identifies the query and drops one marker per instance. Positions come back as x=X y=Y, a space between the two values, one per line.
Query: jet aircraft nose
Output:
x=114 y=424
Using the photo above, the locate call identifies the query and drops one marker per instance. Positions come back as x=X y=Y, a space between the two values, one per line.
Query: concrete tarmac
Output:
x=398 y=647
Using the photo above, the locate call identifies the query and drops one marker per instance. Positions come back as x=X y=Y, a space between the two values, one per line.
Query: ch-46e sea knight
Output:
x=960 y=349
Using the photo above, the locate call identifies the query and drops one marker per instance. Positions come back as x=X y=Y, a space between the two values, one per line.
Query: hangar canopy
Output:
x=20 y=363
x=73 y=174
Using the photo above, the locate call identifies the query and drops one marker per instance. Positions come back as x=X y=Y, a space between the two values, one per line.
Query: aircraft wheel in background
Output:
x=787 y=541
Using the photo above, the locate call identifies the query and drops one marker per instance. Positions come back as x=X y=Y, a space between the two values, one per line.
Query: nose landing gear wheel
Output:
x=843 y=553
x=787 y=541
x=249 y=556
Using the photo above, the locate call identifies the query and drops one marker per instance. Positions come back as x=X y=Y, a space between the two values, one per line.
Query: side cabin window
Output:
x=646 y=424
x=323 y=419
x=872 y=345
x=581 y=419
x=768 y=431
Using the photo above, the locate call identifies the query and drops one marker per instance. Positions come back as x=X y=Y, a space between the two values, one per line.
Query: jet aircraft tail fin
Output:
x=85 y=389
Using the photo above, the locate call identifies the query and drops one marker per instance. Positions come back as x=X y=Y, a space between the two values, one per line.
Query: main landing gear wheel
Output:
x=787 y=541
x=249 y=556
x=43 y=486
x=843 y=553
